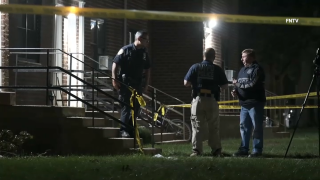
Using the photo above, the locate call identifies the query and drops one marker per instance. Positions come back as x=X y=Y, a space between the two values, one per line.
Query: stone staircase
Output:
x=112 y=107
x=65 y=130
x=100 y=121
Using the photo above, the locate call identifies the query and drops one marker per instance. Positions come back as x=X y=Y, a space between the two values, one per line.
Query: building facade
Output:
x=174 y=46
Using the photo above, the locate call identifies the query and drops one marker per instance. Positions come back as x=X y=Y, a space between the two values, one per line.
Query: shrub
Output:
x=145 y=134
x=11 y=144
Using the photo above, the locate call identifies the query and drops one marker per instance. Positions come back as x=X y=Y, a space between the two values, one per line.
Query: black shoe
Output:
x=216 y=153
x=240 y=154
x=255 y=155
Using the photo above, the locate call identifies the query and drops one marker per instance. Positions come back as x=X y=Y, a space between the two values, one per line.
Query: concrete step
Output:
x=102 y=122
x=96 y=122
x=88 y=121
x=115 y=103
x=165 y=137
x=89 y=90
x=272 y=132
x=107 y=132
x=267 y=132
x=282 y=134
x=97 y=114
x=142 y=122
x=8 y=98
x=156 y=130
x=173 y=142
x=124 y=142
x=102 y=77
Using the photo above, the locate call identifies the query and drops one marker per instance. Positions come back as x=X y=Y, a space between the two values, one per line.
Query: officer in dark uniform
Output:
x=249 y=87
x=133 y=61
x=206 y=79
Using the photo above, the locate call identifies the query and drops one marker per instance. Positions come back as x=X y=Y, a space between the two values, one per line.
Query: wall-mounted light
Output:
x=212 y=23
x=71 y=15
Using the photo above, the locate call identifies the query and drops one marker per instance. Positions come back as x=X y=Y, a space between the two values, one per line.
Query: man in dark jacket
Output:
x=133 y=61
x=249 y=87
x=206 y=79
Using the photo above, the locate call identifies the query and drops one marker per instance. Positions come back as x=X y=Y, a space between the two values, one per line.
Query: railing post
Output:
x=92 y=76
x=153 y=112
x=155 y=98
x=162 y=123
x=16 y=73
x=97 y=87
x=183 y=126
x=134 y=120
x=70 y=68
x=48 y=83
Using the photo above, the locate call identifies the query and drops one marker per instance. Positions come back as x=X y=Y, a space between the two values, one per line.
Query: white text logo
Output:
x=292 y=20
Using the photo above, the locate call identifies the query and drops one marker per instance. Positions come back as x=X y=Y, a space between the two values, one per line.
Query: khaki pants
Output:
x=205 y=117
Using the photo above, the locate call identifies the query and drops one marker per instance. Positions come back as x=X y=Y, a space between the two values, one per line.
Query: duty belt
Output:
x=205 y=93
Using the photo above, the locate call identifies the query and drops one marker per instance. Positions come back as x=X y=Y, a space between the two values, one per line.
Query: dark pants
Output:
x=126 y=116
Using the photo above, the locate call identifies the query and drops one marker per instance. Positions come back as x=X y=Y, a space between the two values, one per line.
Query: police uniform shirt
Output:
x=132 y=61
x=250 y=84
x=206 y=75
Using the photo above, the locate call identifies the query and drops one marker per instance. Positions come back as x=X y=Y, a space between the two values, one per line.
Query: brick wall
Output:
x=26 y=97
x=232 y=41
x=224 y=39
x=175 y=47
x=114 y=32
x=224 y=36
x=178 y=45
x=114 y=29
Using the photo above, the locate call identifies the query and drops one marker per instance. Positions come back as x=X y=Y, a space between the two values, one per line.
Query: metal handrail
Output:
x=90 y=59
x=166 y=94
x=69 y=73
x=69 y=54
x=97 y=70
x=62 y=89
x=146 y=96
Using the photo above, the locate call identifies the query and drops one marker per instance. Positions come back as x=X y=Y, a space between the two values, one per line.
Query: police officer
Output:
x=249 y=87
x=133 y=61
x=206 y=79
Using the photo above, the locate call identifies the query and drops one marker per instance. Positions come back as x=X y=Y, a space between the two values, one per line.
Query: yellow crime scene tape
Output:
x=238 y=107
x=155 y=117
x=143 y=104
x=156 y=15
x=290 y=96
x=162 y=107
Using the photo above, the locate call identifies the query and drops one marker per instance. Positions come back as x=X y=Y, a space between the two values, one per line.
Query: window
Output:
x=98 y=38
x=132 y=33
x=29 y=33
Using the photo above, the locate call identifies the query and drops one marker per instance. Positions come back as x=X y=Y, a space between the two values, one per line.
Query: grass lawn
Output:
x=300 y=164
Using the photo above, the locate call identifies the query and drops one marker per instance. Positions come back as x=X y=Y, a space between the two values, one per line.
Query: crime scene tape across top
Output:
x=155 y=15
